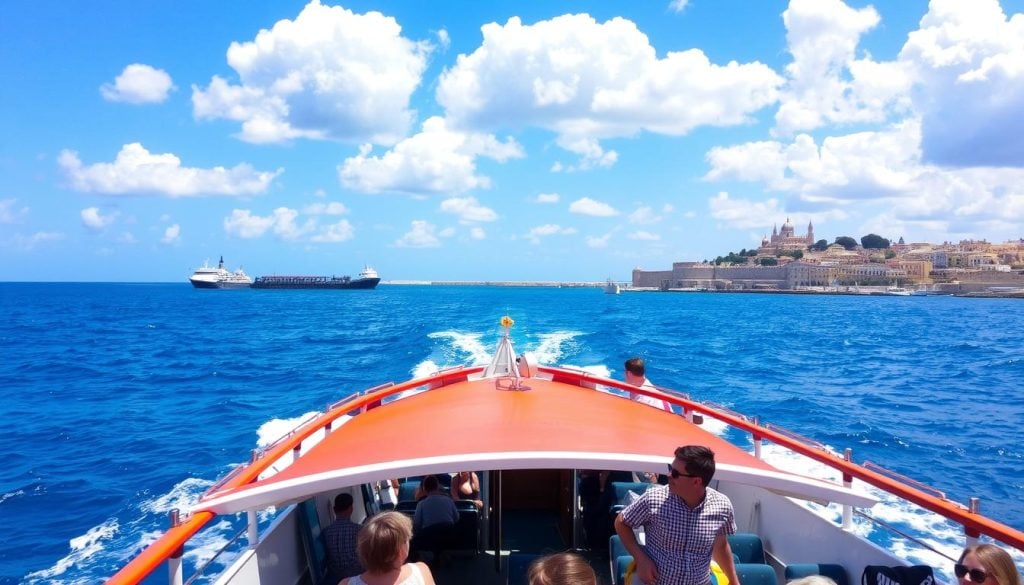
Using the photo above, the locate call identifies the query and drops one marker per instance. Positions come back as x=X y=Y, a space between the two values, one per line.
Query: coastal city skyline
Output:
x=556 y=141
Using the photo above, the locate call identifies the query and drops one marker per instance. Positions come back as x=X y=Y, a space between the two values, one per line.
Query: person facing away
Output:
x=383 y=546
x=436 y=508
x=636 y=376
x=988 y=564
x=686 y=524
x=561 y=569
x=466 y=486
x=340 y=542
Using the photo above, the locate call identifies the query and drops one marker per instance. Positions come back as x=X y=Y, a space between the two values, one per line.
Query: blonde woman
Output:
x=561 y=569
x=382 y=546
x=988 y=564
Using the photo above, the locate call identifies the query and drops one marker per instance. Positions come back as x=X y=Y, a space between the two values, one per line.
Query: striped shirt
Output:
x=680 y=539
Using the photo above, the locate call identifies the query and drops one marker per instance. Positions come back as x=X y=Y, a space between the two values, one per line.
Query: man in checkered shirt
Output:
x=685 y=524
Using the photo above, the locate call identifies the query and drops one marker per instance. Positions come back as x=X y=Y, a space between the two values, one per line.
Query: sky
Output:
x=553 y=140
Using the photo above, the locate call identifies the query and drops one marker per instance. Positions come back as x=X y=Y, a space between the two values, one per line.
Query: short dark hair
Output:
x=635 y=366
x=380 y=540
x=342 y=502
x=698 y=460
x=430 y=483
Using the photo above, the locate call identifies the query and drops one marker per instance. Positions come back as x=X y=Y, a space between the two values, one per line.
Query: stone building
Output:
x=785 y=240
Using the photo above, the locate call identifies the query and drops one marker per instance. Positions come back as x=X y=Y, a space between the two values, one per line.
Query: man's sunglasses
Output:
x=973 y=575
x=675 y=473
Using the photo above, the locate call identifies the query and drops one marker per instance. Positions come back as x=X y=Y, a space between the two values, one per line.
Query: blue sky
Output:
x=514 y=141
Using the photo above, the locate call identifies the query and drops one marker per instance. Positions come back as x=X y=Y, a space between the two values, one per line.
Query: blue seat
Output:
x=407 y=490
x=621 y=565
x=518 y=564
x=835 y=572
x=756 y=574
x=747 y=548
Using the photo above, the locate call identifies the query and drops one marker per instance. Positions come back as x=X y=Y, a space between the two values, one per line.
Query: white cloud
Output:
x=678 y=5
x=336 y=232
x=332 y=208
x=477 y=233
x=468 y=209
x=421 y=234
x=171 y=235
x=826 y=83
x=588 y=206
x=644 y=215
x=446 y=232
x=744 y=214
x=644 y=236
x=591 y=153
x=598 y=241
x=549 y=229
x=137 y=171
x=444 y=39
x=328 y=74
x=127 y=238
x=437 y=160
x=589 y=81
x=138 y=84
x=547 y=198
x=94 y=220
x=8 y=213
x=29 y=243
x=968 y=59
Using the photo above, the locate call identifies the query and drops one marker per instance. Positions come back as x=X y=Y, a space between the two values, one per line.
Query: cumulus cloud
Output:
x=282 y=222
x=437 y=160
x=138 y=84
x=678 y=5
x=29 y=243
x=328 y=74
x=334 y=233
x=468 y=209
x=968 y=58
x=588 y=206
x=598 y=241
x=826 y=82
x=93 y=219
x=547 y=198
x=644 y=236
x=549 y=229
x=744 y=214
x=171 y=235
x=421 y=234
x=645 y=215
x=589 y=81
x=332 y=208
x=137 y=171
x=477 y=233
x=9 y=213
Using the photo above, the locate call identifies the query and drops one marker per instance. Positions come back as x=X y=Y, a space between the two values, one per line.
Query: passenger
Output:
x=986 y=563
x=466 y=486
x=383 y=547
x=387 y=491
x=686 y=524
x=340 y=542
x=636 y=376
x=561 y=569
x=434 y=520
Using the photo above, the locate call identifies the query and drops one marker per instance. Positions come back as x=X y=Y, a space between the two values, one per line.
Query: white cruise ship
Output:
x=207 y=276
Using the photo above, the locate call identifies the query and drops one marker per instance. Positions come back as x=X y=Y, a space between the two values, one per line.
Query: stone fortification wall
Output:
x=650 y=278
x=690 y=274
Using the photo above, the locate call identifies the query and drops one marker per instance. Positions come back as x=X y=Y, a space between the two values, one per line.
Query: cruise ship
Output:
x=207 y=276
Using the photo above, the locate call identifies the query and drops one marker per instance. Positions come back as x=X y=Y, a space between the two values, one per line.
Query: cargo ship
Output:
x=368 y=278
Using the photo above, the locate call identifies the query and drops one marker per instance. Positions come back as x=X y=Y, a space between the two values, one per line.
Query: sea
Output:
x=123 y=401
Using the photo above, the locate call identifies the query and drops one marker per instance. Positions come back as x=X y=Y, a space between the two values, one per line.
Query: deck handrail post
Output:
x=847 y=483
x=254 y=530
x=974 y=506
x=757 y=438
x=174 y=570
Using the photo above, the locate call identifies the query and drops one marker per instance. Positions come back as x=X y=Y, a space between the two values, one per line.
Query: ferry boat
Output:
x=611 y=287
x=531 y=432
x=368 y=279
x=207 y=276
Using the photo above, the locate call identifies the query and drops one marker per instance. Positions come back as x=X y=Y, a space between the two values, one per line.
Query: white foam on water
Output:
x=274 y=429
x=469 y=343
x=6 y=496
x=549 y=348
x=83 y=548
x=182 y=496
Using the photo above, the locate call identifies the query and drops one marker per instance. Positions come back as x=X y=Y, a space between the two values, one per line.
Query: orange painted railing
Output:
x=973 y=523
x=170 y=543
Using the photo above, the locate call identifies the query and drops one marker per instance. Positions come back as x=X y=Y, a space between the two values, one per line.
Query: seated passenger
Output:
x=383 y=547
x=636 y=376
x=340 y=542
x=433 y=523
x=466 y=486
x=561 y=569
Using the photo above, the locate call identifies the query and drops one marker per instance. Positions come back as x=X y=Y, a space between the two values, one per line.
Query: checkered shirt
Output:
x=680 y=539
x=340 y=542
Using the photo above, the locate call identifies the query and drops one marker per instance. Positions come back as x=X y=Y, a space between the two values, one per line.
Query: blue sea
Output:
x=122 y=401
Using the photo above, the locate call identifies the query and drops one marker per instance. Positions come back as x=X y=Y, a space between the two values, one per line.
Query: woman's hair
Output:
x=561 y=569
x=812 y=580
x=380 y=541
x=996 y=561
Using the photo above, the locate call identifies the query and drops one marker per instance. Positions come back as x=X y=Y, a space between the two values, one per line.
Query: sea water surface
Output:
x=122 y=401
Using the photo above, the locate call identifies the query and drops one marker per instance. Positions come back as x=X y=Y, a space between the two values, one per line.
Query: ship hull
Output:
x=303 y=282
x=206 y=284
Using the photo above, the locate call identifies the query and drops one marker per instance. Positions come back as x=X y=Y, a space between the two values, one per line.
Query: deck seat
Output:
x=747 y=547
x=407 y=489
x=833 y=571
x=756 y=574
